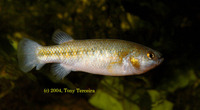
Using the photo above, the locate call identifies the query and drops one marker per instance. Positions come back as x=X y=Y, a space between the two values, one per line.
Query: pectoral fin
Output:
x=112 y=67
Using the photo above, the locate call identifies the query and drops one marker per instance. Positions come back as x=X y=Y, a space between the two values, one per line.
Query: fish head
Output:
x=144 y=60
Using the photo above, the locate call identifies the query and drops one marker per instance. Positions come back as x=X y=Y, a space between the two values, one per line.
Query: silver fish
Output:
x=98 y=56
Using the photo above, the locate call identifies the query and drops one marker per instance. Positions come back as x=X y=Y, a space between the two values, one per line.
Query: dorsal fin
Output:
x=60 y=37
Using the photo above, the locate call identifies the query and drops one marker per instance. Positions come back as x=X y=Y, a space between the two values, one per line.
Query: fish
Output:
x=111 y=57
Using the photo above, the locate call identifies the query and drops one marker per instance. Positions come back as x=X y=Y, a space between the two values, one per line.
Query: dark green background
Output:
x=169 y=26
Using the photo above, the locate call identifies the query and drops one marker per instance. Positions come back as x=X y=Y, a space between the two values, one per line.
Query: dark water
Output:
x=171 y=27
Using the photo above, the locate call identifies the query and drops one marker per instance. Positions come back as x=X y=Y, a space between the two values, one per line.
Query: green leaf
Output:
x=158 y=102
x=182 y=79
x=105 y=101
x=111 y=96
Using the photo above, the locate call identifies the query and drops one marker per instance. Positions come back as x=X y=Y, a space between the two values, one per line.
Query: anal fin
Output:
x=60 y=70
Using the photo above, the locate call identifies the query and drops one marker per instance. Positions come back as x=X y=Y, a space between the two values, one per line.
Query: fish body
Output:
x=98 y=56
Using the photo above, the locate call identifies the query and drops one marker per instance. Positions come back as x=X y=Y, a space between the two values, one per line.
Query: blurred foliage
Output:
x=172 y=27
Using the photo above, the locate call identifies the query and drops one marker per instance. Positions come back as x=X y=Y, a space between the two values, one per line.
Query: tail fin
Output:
x=27 y=55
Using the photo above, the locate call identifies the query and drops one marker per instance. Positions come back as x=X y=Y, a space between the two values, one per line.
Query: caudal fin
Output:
x=26 y=54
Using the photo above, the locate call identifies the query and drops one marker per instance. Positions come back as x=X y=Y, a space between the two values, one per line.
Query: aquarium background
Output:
x=169 y=26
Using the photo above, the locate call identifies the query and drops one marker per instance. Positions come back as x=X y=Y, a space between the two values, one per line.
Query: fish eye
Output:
x=150 y=55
